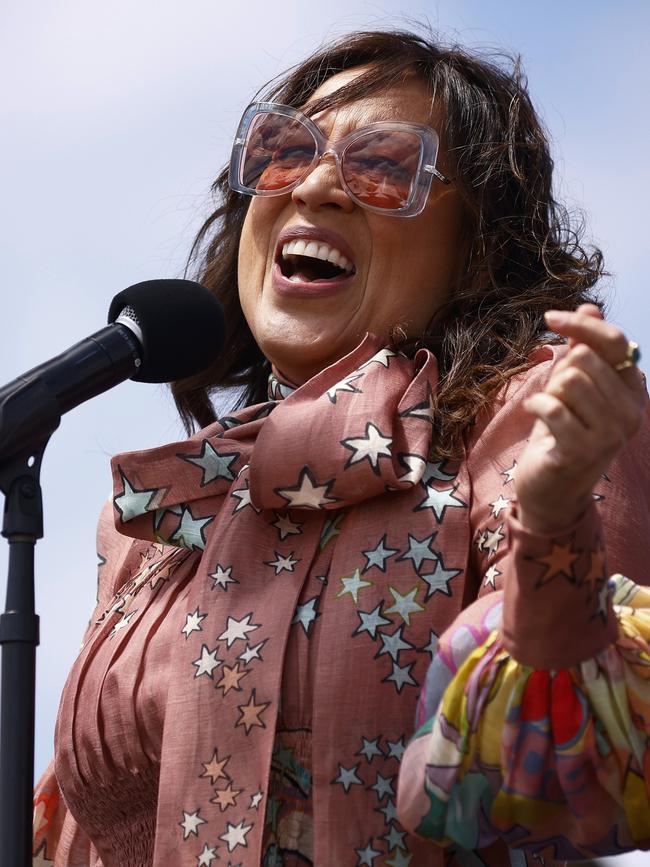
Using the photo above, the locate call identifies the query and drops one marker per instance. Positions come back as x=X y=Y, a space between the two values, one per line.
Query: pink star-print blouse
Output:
x=272 y=594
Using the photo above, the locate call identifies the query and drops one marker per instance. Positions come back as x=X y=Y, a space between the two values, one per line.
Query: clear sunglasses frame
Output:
x=422 y=177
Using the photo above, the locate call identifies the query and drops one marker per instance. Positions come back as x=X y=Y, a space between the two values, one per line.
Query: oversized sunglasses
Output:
x=386 y=167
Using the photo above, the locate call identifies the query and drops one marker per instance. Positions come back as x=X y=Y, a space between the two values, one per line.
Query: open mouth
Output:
x=304 y=261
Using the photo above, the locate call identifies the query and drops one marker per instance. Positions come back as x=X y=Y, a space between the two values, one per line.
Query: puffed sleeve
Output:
x=535 y=716
x=57 y=839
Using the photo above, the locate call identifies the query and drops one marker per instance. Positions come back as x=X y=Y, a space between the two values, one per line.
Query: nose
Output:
x=322 y=187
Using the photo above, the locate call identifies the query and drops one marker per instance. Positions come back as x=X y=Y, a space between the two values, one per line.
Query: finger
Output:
x=604 y=338
x=602 y=391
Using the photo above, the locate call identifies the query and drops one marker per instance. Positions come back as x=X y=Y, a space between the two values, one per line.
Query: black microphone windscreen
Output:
x=182 y=324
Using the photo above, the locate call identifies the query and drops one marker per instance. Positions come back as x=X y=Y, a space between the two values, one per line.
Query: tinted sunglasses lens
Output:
x=277 y=153
x=380 y=168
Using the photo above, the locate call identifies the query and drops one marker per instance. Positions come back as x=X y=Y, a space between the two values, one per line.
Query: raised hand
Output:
x=588 y=411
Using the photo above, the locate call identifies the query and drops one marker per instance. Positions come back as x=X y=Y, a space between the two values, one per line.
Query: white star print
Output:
x=348 y=777
x=123 y=623
x=193 y=623
x=285 y=526
x=378 y=556
x=367 y=856
x=344 y=385
x=252 y=652
x=190 y=823
x=282 y=562
x=394 y=643
x=396 y=749
x=236 y=835
x=438 y=580
x=382 y=357
x=510 y=473
x=307 y=494
x=400 y=675
x=306 y=614
x=490 y=577
x=440 y=501
x=434 y=471
x=134 y=502
x=222 y=577
x=190 y=532
x=256 y=800
x=492 y=539
x=499 y=505
x=383 y=786
x=207 y=856
x=372 y=446
x=244 y=497
x=237 y=629
x=404 y=605
x=370 y=749
x=352 y=584
x=419 y=550
x=214 y=465
x=415 y=465
x=207 y=662
x=370 y=621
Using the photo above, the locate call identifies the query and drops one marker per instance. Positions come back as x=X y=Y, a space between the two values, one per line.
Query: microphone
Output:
x=159 y=331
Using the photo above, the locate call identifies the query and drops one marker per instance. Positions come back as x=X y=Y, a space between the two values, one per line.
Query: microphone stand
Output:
x=19 y=637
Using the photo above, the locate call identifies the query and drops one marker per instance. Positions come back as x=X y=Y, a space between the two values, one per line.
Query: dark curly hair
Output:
x=523 y=256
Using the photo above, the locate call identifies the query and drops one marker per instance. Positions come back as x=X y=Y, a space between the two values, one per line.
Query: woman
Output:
x=277 y=583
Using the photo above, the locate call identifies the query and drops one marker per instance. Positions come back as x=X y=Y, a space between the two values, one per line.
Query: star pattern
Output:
x=251 y=713
x=207 y=662
x=191 y=823
x=440 y=501
x=237 y=630
x=370 y=447
x=226 y=797
x=438 y=580
x=371 y=621
x=378 y=555
x=207 y=856
x=352 y=584
x=134 y=502
x=348 y=777
x=367 y=856
x=190 y=534
x=307 y=494
x=392 y=644
x=236 y=835
x=282 y=562
x=559 y=561
x=401 y=676
x=193 y=623
x=222 y=577
x=345 y=385
x=285 y=526
x=214 y=465
x=404 y=605
x=244 y=497
x=306 y=614
x=370 y=749
x=230 y=677
x=215 y=767
x=419 y=550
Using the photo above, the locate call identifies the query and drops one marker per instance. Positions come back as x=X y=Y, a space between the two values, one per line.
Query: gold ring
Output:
x=632 y=356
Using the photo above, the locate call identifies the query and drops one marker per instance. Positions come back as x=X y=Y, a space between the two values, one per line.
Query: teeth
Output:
x=317 y=250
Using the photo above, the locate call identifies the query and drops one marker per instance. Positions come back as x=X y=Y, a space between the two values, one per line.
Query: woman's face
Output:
x=403 y=267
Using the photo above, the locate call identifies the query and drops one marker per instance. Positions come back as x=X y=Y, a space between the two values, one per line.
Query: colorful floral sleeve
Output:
x=535 y=716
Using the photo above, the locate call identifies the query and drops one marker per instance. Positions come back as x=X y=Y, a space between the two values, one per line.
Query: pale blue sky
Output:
x=115 y=117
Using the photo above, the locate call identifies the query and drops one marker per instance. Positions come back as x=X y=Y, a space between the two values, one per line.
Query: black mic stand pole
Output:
x=22 y=526
x=22 y=445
